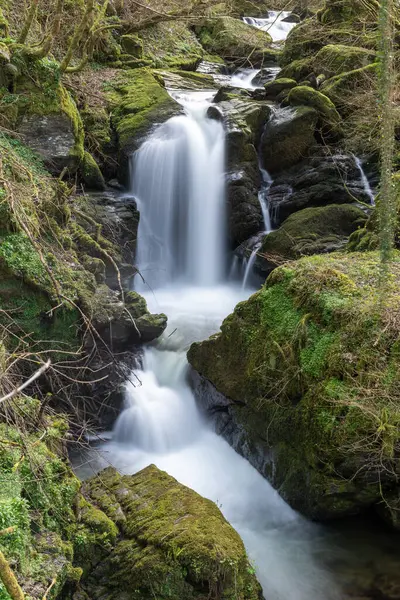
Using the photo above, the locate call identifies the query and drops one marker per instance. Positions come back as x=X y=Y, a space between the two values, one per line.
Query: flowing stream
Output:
x=178 y=180
x=178 y=176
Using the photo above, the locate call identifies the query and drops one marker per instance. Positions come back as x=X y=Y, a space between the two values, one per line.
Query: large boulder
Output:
x=173 y=543
x=233 y=40
x=303 y=381
x=288 y=137
x=310 y=231
x=336 y=58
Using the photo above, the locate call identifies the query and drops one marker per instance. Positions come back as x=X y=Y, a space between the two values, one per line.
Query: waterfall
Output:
x=364 y=181
x=178 y=180
x=250 y=265
x=263 y=199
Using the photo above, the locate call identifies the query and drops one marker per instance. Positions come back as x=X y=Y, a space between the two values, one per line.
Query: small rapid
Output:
x=276 y=24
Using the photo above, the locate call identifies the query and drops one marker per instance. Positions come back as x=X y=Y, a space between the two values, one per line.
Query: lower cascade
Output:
x=178 y=178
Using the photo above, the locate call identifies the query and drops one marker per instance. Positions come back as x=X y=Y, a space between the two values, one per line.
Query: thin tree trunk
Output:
x=28 y=22
x=78 y=35
x=387 y=202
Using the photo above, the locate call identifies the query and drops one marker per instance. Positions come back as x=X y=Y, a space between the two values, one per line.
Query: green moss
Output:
x=274 y=88
x=171 y=44
x=303 y=95
x=91 y=173
x=340 y=87
x=334 y=58
x=298 y=69
x=137 y=101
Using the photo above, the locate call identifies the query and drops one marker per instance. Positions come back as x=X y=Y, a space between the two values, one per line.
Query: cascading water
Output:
x=178 y=180
x=161 y=423
x=364 y=180
x=275 y=24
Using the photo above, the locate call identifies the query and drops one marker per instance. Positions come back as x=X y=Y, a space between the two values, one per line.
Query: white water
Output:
x=365 y=182
x=243 y=78
x=178 y=180
x=249 y=266
x=273 y=24
x=161 y=423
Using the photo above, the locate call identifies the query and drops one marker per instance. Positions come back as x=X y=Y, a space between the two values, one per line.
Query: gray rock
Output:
x=52 y=137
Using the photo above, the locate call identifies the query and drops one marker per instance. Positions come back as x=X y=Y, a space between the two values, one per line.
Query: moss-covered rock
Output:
x=276 y=87
x=235 y=40
x=329 y=118
x=310 y=231
x=175 y=543
x=171 y=44
x=309 y=364
x=138 y=101
x=288 y=137
x=121 y=323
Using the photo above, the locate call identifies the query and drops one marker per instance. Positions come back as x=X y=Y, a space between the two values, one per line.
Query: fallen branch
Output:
x=31 y=379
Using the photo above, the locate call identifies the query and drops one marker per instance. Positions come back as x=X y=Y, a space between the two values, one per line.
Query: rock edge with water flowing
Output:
x=303 y=380
x=172 y=543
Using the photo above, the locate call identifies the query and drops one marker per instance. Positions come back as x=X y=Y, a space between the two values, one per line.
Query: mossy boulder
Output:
x=336 y=58
x=329 y=118
x=233 y=40
x=138 y=102
x=288 y=137
x=341 y=87
x=276 y=87
x=174 y=543
x=123 y=323
x=310 y=366
x=309 y=231
x=171 y=44
x=250 y=8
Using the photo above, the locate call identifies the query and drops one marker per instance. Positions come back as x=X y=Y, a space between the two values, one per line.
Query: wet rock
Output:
x=264 y=76
x=288 y=138
x=123 y=324
x=244 y=212
x=173 y=543
x=119 y=220
x=244 y=120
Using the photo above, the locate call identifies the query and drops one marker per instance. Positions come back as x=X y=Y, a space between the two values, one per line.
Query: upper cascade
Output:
x=276 y=24
x=178 y=180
